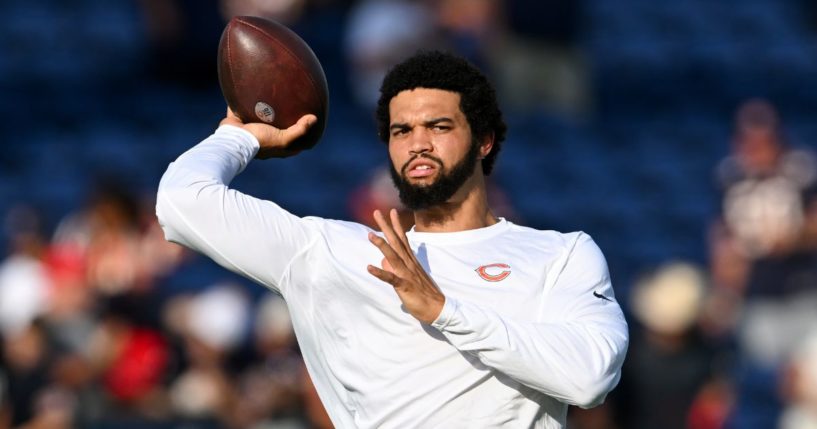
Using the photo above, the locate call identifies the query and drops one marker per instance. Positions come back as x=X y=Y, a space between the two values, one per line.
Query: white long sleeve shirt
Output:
x=530 y=322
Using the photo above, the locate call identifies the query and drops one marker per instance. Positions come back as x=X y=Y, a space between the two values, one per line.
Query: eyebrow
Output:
x=428 y=123
x=435 y=121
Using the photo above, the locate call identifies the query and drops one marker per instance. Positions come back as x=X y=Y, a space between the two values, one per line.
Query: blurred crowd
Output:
x=97 y=331
x=732 y=344
x=106 y=325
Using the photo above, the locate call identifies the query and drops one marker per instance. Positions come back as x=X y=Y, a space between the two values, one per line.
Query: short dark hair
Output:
x=441 y=70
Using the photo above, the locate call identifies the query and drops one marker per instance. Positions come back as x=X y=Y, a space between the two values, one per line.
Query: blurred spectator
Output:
x=105 y=234
x=529 y=48
x=270 y=390
x=24 y=281
x=25 y=362
x=114 y=250
x=543 y=65
x=38 y=382
x=768 y=225
x=669 y=364
x=764 y=255
x=133 y=363
x=379 y=34
x=474 y=27
x=212 y=325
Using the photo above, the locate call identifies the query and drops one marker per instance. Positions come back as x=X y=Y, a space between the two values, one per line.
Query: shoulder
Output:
x=574 y=251
x=576 y=254
x=565 y=242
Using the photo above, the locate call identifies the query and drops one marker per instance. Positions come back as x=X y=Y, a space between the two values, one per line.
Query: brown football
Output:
x=268 y=74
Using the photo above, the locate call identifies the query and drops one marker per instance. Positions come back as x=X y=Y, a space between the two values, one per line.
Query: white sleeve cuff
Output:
x=246 y=138
x=446 y=316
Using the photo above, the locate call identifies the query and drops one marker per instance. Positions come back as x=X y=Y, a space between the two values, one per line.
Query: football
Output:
x=269 y=74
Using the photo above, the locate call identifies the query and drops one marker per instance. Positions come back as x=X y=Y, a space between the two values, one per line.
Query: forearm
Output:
x=220 y=157
x=577 y=362
x=195 y=208
x=192 y=184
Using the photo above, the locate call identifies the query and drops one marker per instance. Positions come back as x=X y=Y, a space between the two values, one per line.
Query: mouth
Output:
x=421 y=167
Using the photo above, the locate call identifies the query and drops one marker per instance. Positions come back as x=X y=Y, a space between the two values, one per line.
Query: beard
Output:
x=419 y=197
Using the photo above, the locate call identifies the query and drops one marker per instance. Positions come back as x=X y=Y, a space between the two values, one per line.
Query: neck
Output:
x=467 y=209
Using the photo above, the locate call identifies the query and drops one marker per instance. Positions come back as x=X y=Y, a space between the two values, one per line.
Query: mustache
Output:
x=431 y=158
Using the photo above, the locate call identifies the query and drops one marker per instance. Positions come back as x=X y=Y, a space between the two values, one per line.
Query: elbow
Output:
x=176 y=197
x=599 y=380
x=164 y=211
x=591 y=392
x=164 y=198
x=173 y=206
x=181 y=204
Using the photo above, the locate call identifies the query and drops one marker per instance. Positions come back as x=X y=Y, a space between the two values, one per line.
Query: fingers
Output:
x=388 y=252
x=399 y=246
x=299 y=128
x=270 y=136
x=383 y=275
x=399 y=230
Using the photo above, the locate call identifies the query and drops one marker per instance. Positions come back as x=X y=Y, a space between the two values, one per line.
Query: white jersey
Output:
x=530 y=323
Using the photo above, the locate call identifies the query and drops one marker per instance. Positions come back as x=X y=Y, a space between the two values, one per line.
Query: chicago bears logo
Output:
x=494 y=272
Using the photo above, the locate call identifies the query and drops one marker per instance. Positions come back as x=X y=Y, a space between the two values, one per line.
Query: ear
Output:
x=486 y=146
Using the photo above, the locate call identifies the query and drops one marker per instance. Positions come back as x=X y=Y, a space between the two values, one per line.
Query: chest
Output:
x=506 y=279
x=347 y=314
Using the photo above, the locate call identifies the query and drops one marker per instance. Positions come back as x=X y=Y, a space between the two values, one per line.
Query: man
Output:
x=764 y=257
x=465 y=321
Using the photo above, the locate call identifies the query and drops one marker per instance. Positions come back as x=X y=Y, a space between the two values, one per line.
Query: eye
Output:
x=399 y=131
x=441 y=128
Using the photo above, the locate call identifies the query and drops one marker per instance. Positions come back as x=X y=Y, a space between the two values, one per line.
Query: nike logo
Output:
x=598 y=295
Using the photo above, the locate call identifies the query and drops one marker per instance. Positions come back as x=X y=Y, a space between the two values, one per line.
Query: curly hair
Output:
x=441 y=70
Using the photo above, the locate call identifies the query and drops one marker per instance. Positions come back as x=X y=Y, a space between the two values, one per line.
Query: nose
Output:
x=420 y=141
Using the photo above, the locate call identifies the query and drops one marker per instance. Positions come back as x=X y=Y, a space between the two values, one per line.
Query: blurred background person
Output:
x=764 y=254
x=669 y=363
x=24 y=281
x=213 y=323
x=380 y=33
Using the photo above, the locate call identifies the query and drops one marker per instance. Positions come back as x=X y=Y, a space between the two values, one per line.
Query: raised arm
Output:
x=197 y=209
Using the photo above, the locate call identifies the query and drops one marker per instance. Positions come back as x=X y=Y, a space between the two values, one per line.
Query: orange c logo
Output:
x=501 y=275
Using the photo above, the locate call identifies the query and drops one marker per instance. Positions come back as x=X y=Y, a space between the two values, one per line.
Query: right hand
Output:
x=274 y=142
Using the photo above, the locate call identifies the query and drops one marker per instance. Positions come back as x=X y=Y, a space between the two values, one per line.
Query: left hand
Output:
x=420 y=295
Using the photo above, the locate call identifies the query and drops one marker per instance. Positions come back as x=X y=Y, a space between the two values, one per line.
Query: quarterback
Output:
x=464 y=321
